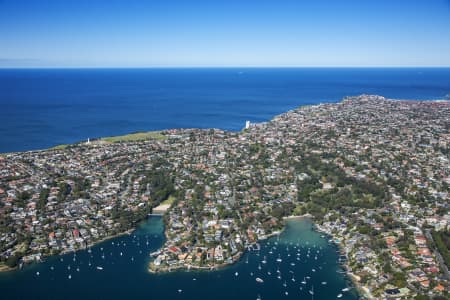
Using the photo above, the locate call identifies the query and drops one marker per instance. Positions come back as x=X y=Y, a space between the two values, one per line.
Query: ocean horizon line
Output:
x=210 y=67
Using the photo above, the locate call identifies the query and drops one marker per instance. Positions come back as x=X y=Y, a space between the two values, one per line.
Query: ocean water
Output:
x=124 y=274
x=40 y=108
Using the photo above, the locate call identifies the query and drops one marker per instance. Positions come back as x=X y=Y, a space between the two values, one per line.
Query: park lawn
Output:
x=168 y=201
x=138 y=136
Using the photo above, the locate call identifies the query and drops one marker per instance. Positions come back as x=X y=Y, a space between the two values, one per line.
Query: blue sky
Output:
x=185 y=33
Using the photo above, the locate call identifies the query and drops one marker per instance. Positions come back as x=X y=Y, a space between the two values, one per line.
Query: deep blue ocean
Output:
x=40 y=108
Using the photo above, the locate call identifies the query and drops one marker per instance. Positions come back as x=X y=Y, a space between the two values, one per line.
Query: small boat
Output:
x=78 y=269
x=259 y=280
x=313 y=270
x=339 y=296
x=259 y=267
x=52 y=268
x=258 y=298
x=37 y=273
x=269 y=273
x=324 y=282
x=99 y=268
x=251 y=273
x=312 y=290
x=346 y=289
x=304 y=280
x=236 y=274
x=180 y=290
x=70 y=276
x=286 y=293
x=285 y=284
x=194 y=279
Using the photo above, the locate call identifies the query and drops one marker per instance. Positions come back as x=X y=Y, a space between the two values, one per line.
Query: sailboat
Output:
x=312 y=292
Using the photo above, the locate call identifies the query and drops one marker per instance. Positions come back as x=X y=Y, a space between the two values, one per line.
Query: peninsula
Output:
x=373 y=172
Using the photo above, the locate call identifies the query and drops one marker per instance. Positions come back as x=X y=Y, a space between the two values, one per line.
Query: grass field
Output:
x=138 y=136
x=168 y=201
x=60 y=147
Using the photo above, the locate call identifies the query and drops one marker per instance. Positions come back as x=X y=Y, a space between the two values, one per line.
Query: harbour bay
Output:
x=117 y=269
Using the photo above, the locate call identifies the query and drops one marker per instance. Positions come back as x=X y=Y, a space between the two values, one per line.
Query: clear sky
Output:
x=159 y=33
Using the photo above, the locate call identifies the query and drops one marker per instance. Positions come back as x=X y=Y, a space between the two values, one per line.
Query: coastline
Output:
x=235 y=258
x=361 y=290
x=4 y=268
